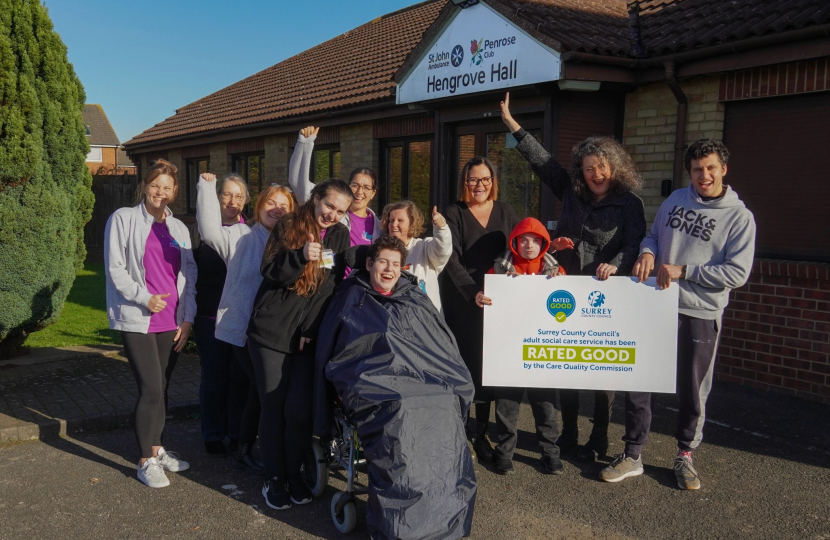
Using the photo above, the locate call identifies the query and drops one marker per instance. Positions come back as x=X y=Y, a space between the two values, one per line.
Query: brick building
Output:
x=106 y=156
x=407 y=96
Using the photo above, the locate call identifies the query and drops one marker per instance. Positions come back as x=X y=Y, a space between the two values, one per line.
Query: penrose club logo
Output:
x=475 y=50
x=561 y=305
x=596 y=300
x=457 y=55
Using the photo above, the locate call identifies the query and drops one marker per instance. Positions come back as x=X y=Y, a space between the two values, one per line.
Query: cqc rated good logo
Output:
x=561 y=304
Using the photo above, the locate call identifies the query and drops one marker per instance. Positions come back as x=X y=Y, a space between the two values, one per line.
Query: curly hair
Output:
x=387 y=241
x=292 y=232
x=624 y=175
x=416 y=217
x=704 y=147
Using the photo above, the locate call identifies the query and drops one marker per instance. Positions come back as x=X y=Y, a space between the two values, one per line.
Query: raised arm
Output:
x=300 y=165
x=116 y=236
x=541 y=161
x=439 y=247
x=209 y=217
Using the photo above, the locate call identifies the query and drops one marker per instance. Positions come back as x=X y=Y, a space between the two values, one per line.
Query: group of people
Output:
x=315 y=264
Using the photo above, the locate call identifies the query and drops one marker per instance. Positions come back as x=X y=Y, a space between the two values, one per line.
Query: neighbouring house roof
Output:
x=121 y=158
x=99 y=129
x=353 y=68
x=358 y=68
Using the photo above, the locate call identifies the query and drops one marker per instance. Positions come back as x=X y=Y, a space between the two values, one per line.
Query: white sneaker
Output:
x=170 y=461
x=152 y=474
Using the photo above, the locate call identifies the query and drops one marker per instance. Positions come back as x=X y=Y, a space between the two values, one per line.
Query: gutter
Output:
x=682 y=117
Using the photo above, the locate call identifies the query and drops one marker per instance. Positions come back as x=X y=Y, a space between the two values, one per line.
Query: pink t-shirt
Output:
x=361 y=229
x=162 y=262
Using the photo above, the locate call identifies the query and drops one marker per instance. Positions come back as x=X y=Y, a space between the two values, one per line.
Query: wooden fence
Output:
x=111 y=193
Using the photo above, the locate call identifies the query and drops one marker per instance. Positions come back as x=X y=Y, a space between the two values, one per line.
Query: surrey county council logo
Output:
x=596 y=299
x=561 y=304
x=457 y=55
x=475 y=50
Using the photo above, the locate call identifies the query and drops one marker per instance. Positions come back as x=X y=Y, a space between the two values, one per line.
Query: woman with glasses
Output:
x=240 y=247
x=604 y=218
x=223 y=386
x=480 y=226
x=362 y=222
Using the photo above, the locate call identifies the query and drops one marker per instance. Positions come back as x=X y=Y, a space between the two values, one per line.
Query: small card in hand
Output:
x=326 y=259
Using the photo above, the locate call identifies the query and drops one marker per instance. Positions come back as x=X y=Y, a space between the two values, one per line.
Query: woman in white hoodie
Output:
x=427 y=256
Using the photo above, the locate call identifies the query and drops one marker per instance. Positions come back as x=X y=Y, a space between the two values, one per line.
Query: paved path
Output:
x=765 y=465
x=53 y=392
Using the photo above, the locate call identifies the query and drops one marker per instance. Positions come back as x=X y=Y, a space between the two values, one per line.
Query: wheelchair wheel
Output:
x=346 y=520
x=316 y=469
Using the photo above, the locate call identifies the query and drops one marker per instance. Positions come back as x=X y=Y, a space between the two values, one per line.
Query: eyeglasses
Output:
x=286 y=188
x=364 y=189
x=230 y=196
x=484 y=181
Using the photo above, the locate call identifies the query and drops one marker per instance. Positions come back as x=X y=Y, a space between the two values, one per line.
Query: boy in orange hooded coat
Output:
x=527 y=255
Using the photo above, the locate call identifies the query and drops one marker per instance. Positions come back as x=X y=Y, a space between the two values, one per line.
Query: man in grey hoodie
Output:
x=704 y=238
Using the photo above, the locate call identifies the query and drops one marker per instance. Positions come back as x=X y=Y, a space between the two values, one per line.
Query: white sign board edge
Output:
x=648 y=317
x=403 y=90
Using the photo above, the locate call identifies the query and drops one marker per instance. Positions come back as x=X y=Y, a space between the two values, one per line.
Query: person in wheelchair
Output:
x=393 y=361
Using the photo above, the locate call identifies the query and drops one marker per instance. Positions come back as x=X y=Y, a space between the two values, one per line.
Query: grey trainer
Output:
x=152 y=474
x=686 y=474
x=170 y=461
x=621 y=468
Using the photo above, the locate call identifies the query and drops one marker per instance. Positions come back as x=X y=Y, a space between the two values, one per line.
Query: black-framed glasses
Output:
x=358 y=187
x=484 y=181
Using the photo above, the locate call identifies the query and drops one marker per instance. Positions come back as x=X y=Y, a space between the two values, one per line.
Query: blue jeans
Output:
x=223 y=390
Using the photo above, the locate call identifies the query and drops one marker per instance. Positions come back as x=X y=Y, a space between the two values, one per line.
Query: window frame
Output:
x=190 y=192
x=384 y=185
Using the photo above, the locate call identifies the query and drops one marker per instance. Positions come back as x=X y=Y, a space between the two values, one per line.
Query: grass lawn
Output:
x=84 y=317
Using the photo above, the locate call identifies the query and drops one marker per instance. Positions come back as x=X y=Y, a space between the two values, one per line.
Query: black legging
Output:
x=152 y=359
x=249 y=424
x=284 y=384
x=603 y=400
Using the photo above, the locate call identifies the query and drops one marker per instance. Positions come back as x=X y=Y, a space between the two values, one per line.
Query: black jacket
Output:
x=281 y=317
x=401 y=379
x=609 y=231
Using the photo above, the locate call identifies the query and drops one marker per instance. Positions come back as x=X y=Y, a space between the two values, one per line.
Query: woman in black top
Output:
x=605 y=220
x=288 y=309
x=480 y=225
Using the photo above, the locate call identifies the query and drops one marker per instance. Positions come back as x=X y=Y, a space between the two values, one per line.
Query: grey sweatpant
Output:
x=697 y=345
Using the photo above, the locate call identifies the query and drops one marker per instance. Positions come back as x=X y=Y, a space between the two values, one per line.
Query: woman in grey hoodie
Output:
x=604 y=218
x=151 y=299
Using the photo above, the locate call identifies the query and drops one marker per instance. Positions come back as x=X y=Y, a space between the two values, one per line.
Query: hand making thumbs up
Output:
x=437 y=219
x=311 y=250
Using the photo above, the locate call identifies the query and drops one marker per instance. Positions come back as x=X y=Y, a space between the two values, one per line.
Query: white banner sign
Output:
x=479 y=50
x=579 y=332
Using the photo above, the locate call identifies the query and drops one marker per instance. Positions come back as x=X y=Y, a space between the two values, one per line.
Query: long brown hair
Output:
x=464 y=193
x=156 y=169
x=292 y=232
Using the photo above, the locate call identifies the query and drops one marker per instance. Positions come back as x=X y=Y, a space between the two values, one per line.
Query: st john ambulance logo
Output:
x=457 y=55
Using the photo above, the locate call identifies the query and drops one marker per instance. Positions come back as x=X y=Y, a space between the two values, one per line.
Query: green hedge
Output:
x=45 y=187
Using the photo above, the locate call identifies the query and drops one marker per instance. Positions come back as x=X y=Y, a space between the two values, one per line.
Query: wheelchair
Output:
x=343 y=451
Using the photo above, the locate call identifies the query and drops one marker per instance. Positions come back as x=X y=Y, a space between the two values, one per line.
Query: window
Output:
x=407 y=169
x=195 y=167
x=325 y=164
x=96 y=154
x=249 y=167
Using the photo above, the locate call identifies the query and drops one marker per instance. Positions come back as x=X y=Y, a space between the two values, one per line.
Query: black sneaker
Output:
x=504 y=465
x=300 y=493
x=593 y=450
x=483 y=449
x=552 y=465
x=216 y=449
x=233 y=445
x=276 y=496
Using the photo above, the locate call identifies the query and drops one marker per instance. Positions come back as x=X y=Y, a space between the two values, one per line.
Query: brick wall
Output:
x=276 y=160
x=650 y=126
x=359 y=148
x=106 y=165
x=776 y=331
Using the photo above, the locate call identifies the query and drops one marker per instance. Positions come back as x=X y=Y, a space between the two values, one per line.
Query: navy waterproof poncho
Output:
x=395 y=365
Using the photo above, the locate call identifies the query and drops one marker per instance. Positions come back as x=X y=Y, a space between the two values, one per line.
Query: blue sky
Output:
x=143 y=60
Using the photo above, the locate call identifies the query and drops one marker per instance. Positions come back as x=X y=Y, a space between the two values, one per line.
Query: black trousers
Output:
x=542 y=402
x=152 y=360
x=603 y=401
x=285 y=385
x=249 y=423
x=697 y=346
